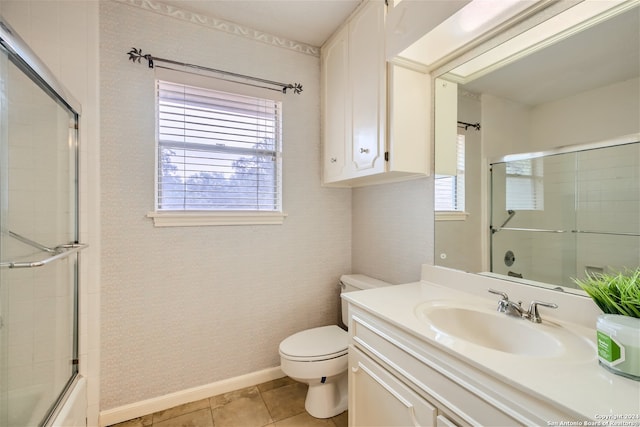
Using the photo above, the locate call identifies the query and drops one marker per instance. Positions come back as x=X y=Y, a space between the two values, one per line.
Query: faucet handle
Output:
x=502 y=294
x=533 y=314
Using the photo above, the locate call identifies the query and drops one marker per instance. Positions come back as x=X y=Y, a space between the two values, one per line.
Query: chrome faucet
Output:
x=505 y=305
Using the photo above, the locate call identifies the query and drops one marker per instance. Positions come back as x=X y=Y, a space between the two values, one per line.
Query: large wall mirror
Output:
x=537 y=154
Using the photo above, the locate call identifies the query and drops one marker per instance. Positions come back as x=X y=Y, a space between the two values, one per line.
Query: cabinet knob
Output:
x=364 y=150
x=333 y=160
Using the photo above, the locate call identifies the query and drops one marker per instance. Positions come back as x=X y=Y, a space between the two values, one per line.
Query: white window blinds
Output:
x=525 y=185
x=217 y=151
x=449 y=189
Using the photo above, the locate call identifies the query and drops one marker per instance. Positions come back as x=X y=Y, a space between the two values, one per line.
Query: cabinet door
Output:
x=442 y=421
x=367 y=81
x=377 y=398
x=446 y=132
x=336 y=114
x=409 y=119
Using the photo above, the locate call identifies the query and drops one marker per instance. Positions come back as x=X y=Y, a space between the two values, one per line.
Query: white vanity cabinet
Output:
x=361 y=95
x=386 y=400
x=397 y=379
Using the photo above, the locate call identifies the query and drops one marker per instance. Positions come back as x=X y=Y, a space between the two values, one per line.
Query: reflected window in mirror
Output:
x=449 y=189
x=525 y=185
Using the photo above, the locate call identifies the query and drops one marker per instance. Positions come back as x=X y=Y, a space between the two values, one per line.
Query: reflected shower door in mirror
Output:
x=557 y=217
x=574 y=87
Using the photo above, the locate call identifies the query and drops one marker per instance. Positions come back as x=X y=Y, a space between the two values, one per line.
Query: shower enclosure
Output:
x=38 y=237
x=559 y=215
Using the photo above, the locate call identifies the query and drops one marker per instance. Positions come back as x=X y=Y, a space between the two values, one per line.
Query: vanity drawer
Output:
x=388 y=401
x=440 y=385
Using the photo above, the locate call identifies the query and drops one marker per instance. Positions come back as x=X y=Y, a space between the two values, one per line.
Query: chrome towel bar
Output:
x=539 y=230
x=58 y=252
x=62 y=251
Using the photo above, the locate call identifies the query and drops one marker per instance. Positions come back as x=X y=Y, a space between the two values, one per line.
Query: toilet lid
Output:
x=324 y=342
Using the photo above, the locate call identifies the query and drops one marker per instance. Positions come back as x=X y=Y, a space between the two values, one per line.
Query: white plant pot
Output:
x=619 y=344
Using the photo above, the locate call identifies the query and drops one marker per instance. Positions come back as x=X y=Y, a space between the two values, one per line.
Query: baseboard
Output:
x=160 y=403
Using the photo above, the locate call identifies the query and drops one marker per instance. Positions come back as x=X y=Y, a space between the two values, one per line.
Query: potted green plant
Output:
x=618 y=329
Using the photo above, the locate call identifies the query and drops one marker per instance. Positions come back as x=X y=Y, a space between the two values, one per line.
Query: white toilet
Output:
x=318 y=357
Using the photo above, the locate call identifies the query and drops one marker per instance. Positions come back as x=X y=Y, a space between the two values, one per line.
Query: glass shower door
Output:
x=532 y=218
x=564 y=216
x=38 y=245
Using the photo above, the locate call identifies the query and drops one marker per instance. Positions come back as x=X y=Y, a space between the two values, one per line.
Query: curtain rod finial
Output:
x=136 y=55
x=297 y=88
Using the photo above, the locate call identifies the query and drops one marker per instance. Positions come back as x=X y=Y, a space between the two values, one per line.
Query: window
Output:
x=524 y=185
x=217 y=152
x=449 y=190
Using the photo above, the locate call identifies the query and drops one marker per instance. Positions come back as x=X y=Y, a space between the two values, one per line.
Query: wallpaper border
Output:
x=221 y=25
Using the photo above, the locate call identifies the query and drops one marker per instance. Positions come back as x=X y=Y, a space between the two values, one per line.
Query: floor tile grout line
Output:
x=264 y=402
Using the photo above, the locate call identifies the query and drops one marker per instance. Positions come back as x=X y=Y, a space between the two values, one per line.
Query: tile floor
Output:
x=277 y=403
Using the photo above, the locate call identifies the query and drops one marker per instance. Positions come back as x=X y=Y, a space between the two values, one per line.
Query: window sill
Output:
x=451 y=216
x=205 y=218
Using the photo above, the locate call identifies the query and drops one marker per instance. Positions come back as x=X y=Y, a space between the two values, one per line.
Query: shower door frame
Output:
x=28 y=62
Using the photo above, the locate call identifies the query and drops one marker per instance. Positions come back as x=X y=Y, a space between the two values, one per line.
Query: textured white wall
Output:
x=505 y=127
x=393 y=230
x=183 y=307
x=595 y=115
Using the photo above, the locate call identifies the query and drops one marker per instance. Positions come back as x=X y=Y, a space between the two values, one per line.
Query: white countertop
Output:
x=576 y=383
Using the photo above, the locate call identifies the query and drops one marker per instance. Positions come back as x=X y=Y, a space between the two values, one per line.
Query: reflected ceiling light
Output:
x=467 y=24
x=483 y=13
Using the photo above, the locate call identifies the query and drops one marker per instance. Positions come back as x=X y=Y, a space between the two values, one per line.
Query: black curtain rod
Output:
x=136 y=55
x=466 y=125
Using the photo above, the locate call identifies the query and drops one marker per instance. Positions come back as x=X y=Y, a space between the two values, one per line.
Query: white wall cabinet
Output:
x=446 y=123
x=337 y=124
x=367 y=81
x=408 y=121
x=361 y=97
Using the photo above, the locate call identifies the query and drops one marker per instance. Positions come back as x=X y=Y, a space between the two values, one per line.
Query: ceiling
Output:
x=306 y=21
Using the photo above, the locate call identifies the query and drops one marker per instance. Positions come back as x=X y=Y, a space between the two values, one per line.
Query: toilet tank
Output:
x=357 y=282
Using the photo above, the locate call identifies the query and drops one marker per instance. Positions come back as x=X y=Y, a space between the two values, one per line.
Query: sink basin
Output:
x=492 y=330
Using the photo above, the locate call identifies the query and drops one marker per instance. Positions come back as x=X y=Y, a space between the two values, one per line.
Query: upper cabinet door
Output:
x=336 y=106
x=367 y=82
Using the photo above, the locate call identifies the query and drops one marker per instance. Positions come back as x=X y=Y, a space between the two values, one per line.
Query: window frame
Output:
x=184 y=218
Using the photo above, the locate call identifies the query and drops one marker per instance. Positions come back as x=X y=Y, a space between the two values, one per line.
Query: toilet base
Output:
x=329 y=399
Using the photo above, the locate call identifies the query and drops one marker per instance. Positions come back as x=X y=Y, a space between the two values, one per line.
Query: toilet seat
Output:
x=312 y=345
